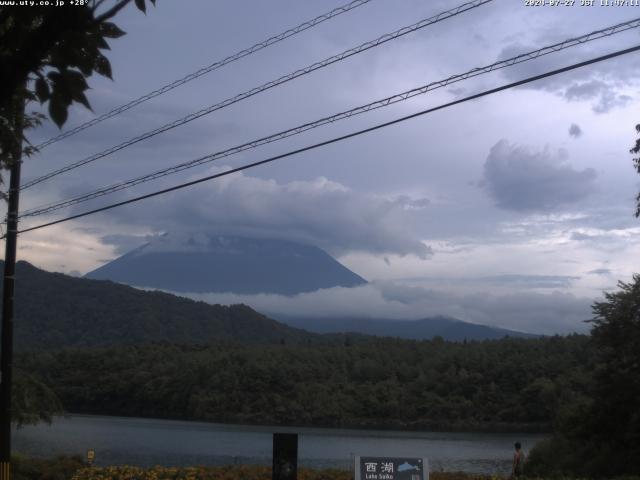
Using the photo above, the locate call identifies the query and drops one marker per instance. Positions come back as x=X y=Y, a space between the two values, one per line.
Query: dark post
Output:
x=6 y=340
x=285 y=456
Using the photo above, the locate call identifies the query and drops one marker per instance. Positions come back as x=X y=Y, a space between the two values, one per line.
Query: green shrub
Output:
x=58 y=468
x=552 y=458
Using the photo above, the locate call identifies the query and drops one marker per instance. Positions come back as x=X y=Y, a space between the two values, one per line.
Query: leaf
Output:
x=60 y=90
x=141 y=6
x=110 y=30
x=58 y=111
x=102 y=66
x=101 y=42
x=42 y=90
x=75 y=80
x=84 y=61
x=72 y=87
x=80 y=97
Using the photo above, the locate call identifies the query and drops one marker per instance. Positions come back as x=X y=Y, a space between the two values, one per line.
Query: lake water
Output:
x=147 y=442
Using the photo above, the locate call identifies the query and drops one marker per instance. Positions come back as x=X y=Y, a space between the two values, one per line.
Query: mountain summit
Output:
x=202 y=263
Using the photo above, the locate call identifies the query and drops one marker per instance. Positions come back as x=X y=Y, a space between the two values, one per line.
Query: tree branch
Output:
x=96 y=4
x=112 y=11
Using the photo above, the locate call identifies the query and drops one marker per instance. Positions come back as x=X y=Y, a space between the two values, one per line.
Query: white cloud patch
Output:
x=532 y=312
x=608 y=240
x=318 y=212
x=60 y=248
x=521 y=179
x=532 y=281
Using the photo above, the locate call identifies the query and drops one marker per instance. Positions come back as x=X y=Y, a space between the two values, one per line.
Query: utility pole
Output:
x=6 y=339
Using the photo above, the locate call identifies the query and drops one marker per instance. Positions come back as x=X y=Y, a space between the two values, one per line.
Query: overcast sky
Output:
x=514 y=210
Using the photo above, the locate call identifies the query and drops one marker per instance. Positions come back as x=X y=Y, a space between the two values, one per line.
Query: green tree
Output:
x=32 y=401
x=598 y=431
x=635 y=150
x=615 y=412
x=46 y=55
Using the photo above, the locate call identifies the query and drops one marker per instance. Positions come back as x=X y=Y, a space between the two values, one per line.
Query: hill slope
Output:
x=449 y=329
x=228 y=264
x=54 y=310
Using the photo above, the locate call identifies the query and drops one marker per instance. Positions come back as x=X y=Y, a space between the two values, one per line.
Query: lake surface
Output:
x=147 y=442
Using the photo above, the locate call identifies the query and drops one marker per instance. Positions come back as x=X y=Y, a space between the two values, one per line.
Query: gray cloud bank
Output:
x=550 y=313
x=521 y=179
x=319 y=212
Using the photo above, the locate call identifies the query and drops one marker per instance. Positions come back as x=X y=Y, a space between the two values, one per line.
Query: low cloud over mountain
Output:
x=526 y=311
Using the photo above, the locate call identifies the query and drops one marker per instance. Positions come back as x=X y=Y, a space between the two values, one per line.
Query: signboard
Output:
x=391 y=468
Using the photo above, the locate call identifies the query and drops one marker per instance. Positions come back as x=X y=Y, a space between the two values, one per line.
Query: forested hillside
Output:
x=510 y=384
x=55 y=311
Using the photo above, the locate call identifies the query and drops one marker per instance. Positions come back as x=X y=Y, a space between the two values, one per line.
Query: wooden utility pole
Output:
x=6 y=339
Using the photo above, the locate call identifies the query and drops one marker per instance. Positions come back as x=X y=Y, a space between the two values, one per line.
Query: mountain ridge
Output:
x=451 y=329
x=54 y=310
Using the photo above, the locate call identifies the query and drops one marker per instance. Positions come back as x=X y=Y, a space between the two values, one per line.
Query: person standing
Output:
x=518 y=461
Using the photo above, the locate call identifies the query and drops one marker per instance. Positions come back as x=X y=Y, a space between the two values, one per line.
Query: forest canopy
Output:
x=510 y=384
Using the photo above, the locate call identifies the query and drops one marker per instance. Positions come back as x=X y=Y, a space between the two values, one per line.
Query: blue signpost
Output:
x=391 y=468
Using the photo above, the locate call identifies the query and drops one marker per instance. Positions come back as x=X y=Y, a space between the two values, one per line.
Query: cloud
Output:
x=612 y=240
x=602 y=83
x=125 y=243
x=609 y=100
x=575 y=131
x=585 y=90
x=527 y=311
x=600 y=271
x=320 y=212
x=581 y=236
x=532 y=281
x=605 y=99
x=520 y=179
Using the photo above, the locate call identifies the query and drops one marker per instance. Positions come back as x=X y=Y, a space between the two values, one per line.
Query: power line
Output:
x=333 y=118
x=203 y=71
x=341 y=138
x=266 y=86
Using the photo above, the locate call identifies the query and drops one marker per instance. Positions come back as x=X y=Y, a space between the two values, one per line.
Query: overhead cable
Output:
x=266 y=86
x=210 y=68
x=528 y=56
x=338 y=139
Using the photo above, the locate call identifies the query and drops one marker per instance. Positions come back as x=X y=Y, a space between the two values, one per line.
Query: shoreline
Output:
x=147 y=442
x=401 y=430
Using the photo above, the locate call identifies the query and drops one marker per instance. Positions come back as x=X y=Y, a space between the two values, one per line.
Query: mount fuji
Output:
x=198 y=263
